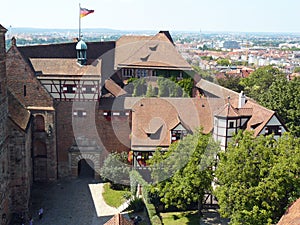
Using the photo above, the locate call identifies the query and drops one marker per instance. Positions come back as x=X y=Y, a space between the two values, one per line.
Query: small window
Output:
x=231 y=124
x=88 y=89
x=79 y=113
x=276 y=130
x=69 y=88
x=177 y=135
x=107 y=113
x=24 y=90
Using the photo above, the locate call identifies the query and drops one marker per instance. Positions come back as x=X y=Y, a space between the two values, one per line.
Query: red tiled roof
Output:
x=218 y=95
x=292 y=215
x=118 y=219
x=17 y=112
x=114 y=88
x=148 y=51
x=158 y=116
x=50 y=66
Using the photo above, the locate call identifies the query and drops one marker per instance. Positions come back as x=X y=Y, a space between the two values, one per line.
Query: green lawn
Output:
x=180 y=218
x=114 y=198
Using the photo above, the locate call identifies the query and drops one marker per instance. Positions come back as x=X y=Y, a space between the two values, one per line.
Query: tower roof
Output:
x=81 y=45
x=2 y=29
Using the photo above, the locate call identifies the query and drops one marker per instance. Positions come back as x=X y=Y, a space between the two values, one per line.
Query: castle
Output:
x=65 y=107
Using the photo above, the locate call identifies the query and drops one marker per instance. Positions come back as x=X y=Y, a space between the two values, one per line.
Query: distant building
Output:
x=231 y=45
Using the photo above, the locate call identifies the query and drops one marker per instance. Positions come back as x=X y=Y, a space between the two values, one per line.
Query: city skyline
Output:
x=190 y=15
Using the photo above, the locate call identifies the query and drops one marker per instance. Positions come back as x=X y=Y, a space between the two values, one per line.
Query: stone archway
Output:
x=86 y=168
x=85 y=164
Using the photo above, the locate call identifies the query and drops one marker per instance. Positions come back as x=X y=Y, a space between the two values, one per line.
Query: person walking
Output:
x=41 y=212
x=30 y=221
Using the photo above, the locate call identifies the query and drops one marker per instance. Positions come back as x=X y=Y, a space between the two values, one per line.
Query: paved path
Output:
x=71 y=202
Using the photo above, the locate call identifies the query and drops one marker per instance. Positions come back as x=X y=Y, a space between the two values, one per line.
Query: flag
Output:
x=85 y=12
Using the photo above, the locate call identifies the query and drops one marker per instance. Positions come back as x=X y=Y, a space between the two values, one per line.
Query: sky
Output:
x=173 y=15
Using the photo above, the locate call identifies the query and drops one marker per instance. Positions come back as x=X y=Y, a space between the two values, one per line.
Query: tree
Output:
x=260 y=80
x=297 y=70
x=187 y=179
x=186 y=85
x=257 y=178
x=205 y=74
x=116 y=169
x=223 y=62
x=283 y=96
x=150 y=91
x=140 y=87
x=231 y=82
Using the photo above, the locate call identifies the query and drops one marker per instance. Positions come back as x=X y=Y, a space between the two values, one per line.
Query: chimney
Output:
x=242 y=100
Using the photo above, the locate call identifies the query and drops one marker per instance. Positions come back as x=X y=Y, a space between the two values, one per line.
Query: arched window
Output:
x=40 y=149
x=39 y=123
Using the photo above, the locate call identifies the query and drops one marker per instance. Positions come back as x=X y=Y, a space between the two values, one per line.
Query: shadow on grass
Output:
x=210 y=217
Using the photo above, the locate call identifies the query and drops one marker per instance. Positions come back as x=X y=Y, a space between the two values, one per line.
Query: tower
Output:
x=81 y=48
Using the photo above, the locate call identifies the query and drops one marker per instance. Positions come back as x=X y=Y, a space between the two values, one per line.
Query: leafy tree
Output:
x=185 y=181
x=163 y=89
x=223 y=62
x=297 y=70
x=260 y=80
x=116 y=169
x=257 y=178
x=205 y=74
x=140 y=87
x=150 y=91
x=231 y=82
x=283 y=96
x=186 y=85
x=208 y=58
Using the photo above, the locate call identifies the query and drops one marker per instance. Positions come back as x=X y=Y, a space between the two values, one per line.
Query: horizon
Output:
x=150 y=30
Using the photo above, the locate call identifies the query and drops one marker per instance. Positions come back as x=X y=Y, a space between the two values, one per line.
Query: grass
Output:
x=113 y=198
x=180 y=218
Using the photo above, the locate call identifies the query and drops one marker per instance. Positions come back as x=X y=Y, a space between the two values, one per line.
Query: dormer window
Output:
x=178 y=133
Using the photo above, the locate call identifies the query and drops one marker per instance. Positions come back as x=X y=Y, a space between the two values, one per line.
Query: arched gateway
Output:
x=85 y=158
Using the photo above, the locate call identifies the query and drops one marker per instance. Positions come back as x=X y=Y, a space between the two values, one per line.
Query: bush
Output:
x=155 y=220
x=136 y=204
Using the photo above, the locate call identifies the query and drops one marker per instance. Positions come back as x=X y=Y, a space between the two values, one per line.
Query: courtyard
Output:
x=70 y=202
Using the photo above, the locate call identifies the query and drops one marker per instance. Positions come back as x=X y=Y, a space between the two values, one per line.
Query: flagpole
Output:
x=79 y=32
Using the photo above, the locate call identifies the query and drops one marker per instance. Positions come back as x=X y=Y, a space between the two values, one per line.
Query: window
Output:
x=79 y=113
x=142 y=158
x=88 y=89
x=127 y=72
x=142 y=73
x=177 y=135
x=231 y=124
x=69 y=88
x=24 y=90
x=39 y=123
x=273 y=129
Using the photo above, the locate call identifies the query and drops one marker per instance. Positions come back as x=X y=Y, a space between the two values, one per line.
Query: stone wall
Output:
x=44 y=145
x=110 y=134
x=4 y=172
x=20 y=168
